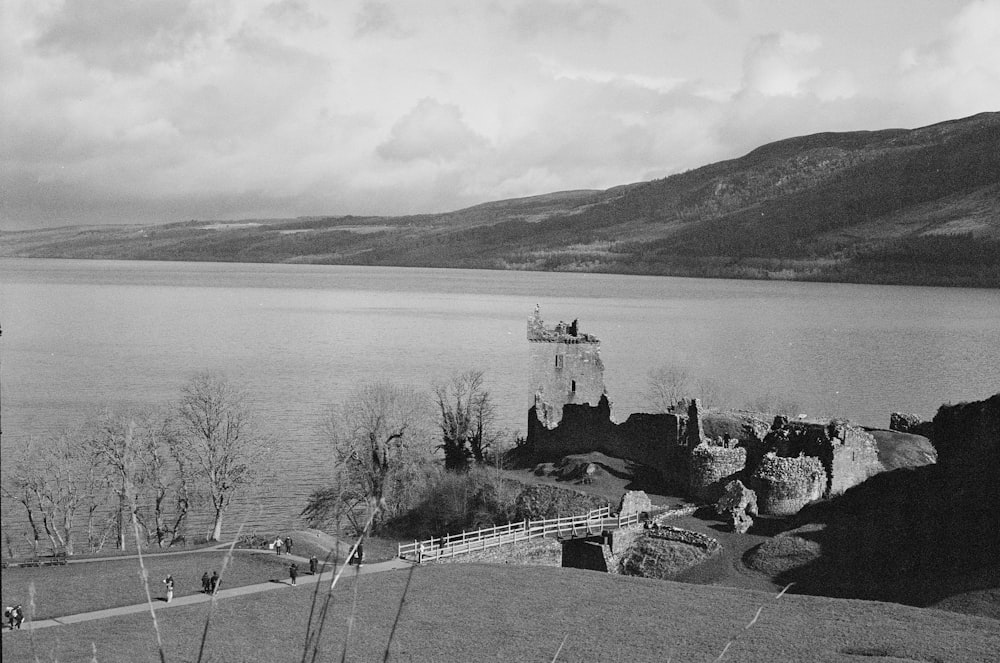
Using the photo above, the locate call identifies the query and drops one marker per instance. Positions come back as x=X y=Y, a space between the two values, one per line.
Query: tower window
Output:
x=572 y=386
x=559 y=361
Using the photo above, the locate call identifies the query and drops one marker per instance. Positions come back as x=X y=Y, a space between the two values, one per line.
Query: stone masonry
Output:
x=566 y=368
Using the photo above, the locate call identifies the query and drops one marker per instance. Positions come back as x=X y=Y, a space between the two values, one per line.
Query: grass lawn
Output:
x=471 y=612
x=74 y=588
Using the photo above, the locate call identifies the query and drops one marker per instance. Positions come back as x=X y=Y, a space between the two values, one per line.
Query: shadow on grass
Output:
x=910 y=536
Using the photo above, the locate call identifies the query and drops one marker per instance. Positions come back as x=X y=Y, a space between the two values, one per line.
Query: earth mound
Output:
x=666 y=552
x=784 y=552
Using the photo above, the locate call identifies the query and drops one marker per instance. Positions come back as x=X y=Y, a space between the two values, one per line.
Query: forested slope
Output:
x=917 y=206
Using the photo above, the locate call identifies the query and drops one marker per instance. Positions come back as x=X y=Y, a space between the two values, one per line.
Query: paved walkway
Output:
x=158 y=604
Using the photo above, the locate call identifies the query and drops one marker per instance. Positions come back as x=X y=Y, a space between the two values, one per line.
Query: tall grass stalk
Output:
x=215 y=592
x=399 y=613
x=313 y=634
x=31 y=620
x=351 y=614
x=144 y=574
x=749 y=624
x=561 y=645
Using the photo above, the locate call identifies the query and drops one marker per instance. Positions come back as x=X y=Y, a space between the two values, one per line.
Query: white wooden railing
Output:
x=590 y=524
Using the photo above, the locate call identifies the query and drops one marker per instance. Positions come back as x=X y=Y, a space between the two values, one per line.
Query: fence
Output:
x=590 y=524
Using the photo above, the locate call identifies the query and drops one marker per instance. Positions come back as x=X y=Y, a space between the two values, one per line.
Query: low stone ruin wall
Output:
x=853 y=463
x=711 y=468
x=785 y=485
x=696 y=539
x=653 y=440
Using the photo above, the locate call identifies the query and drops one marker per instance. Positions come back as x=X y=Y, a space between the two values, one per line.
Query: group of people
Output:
x=282 y=544
x=14 y=616
x=209 y=584
x=293 y=569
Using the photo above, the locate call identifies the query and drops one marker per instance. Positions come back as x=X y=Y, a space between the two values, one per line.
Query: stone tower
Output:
x=566 y=367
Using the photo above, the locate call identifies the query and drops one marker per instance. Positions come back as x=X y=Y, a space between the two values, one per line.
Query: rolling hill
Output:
x=899 y=206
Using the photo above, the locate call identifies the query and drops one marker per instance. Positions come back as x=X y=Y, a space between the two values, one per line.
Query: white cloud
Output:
x=378 y=18
x=958 y=74
x=559 y=70
x=168 y=109
x=431 y=131
x=125 y=36
x=777 y=65
x=539 y=18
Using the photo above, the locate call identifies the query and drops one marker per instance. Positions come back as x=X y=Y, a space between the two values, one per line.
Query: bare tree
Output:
x=17 y=485
x=54 y=479
x=169 y=490
x=336 y=502
x=667 y=384
x=467 y=420
x=379 y=440
x=219 y=440
x=124 y=440
x=773 y=403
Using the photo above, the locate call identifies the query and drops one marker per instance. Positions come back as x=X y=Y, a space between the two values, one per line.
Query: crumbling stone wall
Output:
x=710 y=468
x=785 y=485
x=853 y=457
x=654 y=440
x=910 y=423
x=741 y=427
x=634 y=501
x=660 y=441
x=620 y=542
x=580 y=429
x=696 y=539
x=849 y=454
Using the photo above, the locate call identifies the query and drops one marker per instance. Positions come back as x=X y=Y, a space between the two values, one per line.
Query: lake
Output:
x=78 y=335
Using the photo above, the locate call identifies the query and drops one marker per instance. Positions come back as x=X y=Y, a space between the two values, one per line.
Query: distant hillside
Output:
x=917 y=206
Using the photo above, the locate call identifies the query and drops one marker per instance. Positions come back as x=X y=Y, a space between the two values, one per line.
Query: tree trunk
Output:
x=68 y=531
x=121 y=523
x=217 y=527
x=34 y=527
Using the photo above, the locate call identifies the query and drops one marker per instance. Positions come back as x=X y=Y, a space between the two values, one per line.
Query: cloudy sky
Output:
x=148 y=111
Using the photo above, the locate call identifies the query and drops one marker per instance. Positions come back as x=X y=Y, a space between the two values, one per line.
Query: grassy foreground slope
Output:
x=917 y=206
x=483 y=612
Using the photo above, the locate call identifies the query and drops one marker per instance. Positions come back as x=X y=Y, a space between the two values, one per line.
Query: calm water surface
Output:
x=81 y=334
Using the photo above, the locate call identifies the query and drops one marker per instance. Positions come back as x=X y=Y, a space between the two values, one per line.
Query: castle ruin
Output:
x=566 y=368
x=695 y=451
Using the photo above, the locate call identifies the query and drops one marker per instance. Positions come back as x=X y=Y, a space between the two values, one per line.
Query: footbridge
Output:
x=595 y=523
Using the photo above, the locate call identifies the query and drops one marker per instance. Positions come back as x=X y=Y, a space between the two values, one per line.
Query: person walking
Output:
x=278 y=544
x=288 y=545
x=313 y=563
x=293 y=572
x=169 y=582
x=206 y=583
x=14 y=616
x=215 y=581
